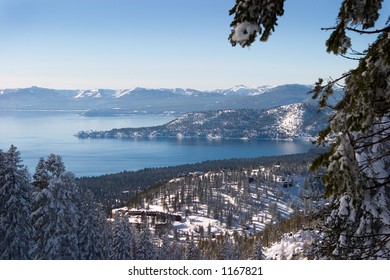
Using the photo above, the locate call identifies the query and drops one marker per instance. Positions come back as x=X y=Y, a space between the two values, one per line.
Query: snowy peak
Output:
x=242 y=90
x=94 y=93
x=153 y=100
x=122 y=93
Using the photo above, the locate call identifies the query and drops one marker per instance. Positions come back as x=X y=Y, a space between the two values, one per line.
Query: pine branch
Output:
x=360 y=31
x=355 y=142
x=348 y=57
x=370 y=144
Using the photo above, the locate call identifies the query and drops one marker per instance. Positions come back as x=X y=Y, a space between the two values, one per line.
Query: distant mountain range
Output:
x=298 y=121
x=144 y=100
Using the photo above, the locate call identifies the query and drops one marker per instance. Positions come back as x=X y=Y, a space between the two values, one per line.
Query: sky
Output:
x=122 y=44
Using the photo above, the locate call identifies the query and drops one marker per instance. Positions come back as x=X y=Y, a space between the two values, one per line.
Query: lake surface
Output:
x=38 y=133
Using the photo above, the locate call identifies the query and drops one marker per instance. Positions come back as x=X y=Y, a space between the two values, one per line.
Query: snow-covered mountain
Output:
x=244 y=90
x=180 y=100
x=287 y=122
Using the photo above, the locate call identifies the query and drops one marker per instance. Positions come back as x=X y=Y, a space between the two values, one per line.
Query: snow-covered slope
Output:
x=227 y=200
x=242 y=202
x=289 y=122
x=293 y=246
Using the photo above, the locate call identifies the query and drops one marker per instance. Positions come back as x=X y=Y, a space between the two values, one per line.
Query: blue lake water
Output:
x=37 y=134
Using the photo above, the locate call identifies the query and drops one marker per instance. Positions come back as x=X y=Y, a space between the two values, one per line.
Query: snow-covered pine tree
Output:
x=42 y=196
x=2 y=201
x=252 y=18
x=177 y=250
x=358 y=161
x=41 y=176
x=122 y=238
x=107 y=237
x=64 y=219
x=39 y=219
x=259 y=255
x=192 y=252
x=54 y=165
x=165 y=252
x=47 y=169
x=15 y=207
x=56 y=214
x=146 y=249
x=227 y=250
x=92 y=229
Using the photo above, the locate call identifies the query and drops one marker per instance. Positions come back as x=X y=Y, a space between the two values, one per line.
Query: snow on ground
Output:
x=290 y=118
x=292 y=245
x=265 y=201
x=282 y=198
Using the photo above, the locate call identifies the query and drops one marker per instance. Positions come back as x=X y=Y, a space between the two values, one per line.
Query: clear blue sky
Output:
x=79 y=44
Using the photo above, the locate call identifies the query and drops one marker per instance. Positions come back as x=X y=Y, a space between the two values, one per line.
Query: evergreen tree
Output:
x=259 y=251
x=358 y=161
x=227 y=251
x=122 y=238
x=56 y=214
x=192 y=251
x=107 y=238
x=15 y=207
x=54 y=165
x=177 y=251
x=39 y=219
x=92 y=232
x=146 y=248
x=165 y=249
x=41 y=175
x=2 y=201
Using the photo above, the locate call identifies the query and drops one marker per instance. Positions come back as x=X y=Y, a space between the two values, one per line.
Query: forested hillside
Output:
x=223 y=212
x=114 y=190
x=299 y=121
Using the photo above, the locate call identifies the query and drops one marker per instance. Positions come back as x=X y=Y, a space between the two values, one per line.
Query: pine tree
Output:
x=15 y=207
x=56 y=214
x=192 y=251
x=92 y=229
x=2 y=197
x=122 y=238
x=358 y=160
x=146 y=248
x=227 y=251
x=165 y=249
x=252 y=18
x=258 y=251
x=107 y=238
x=54 y=165
x=39 y=219
x=41 y=175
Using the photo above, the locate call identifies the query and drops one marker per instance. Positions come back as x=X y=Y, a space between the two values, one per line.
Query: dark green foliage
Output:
x=360 y=123
x=262 y=14
x=352 y=14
